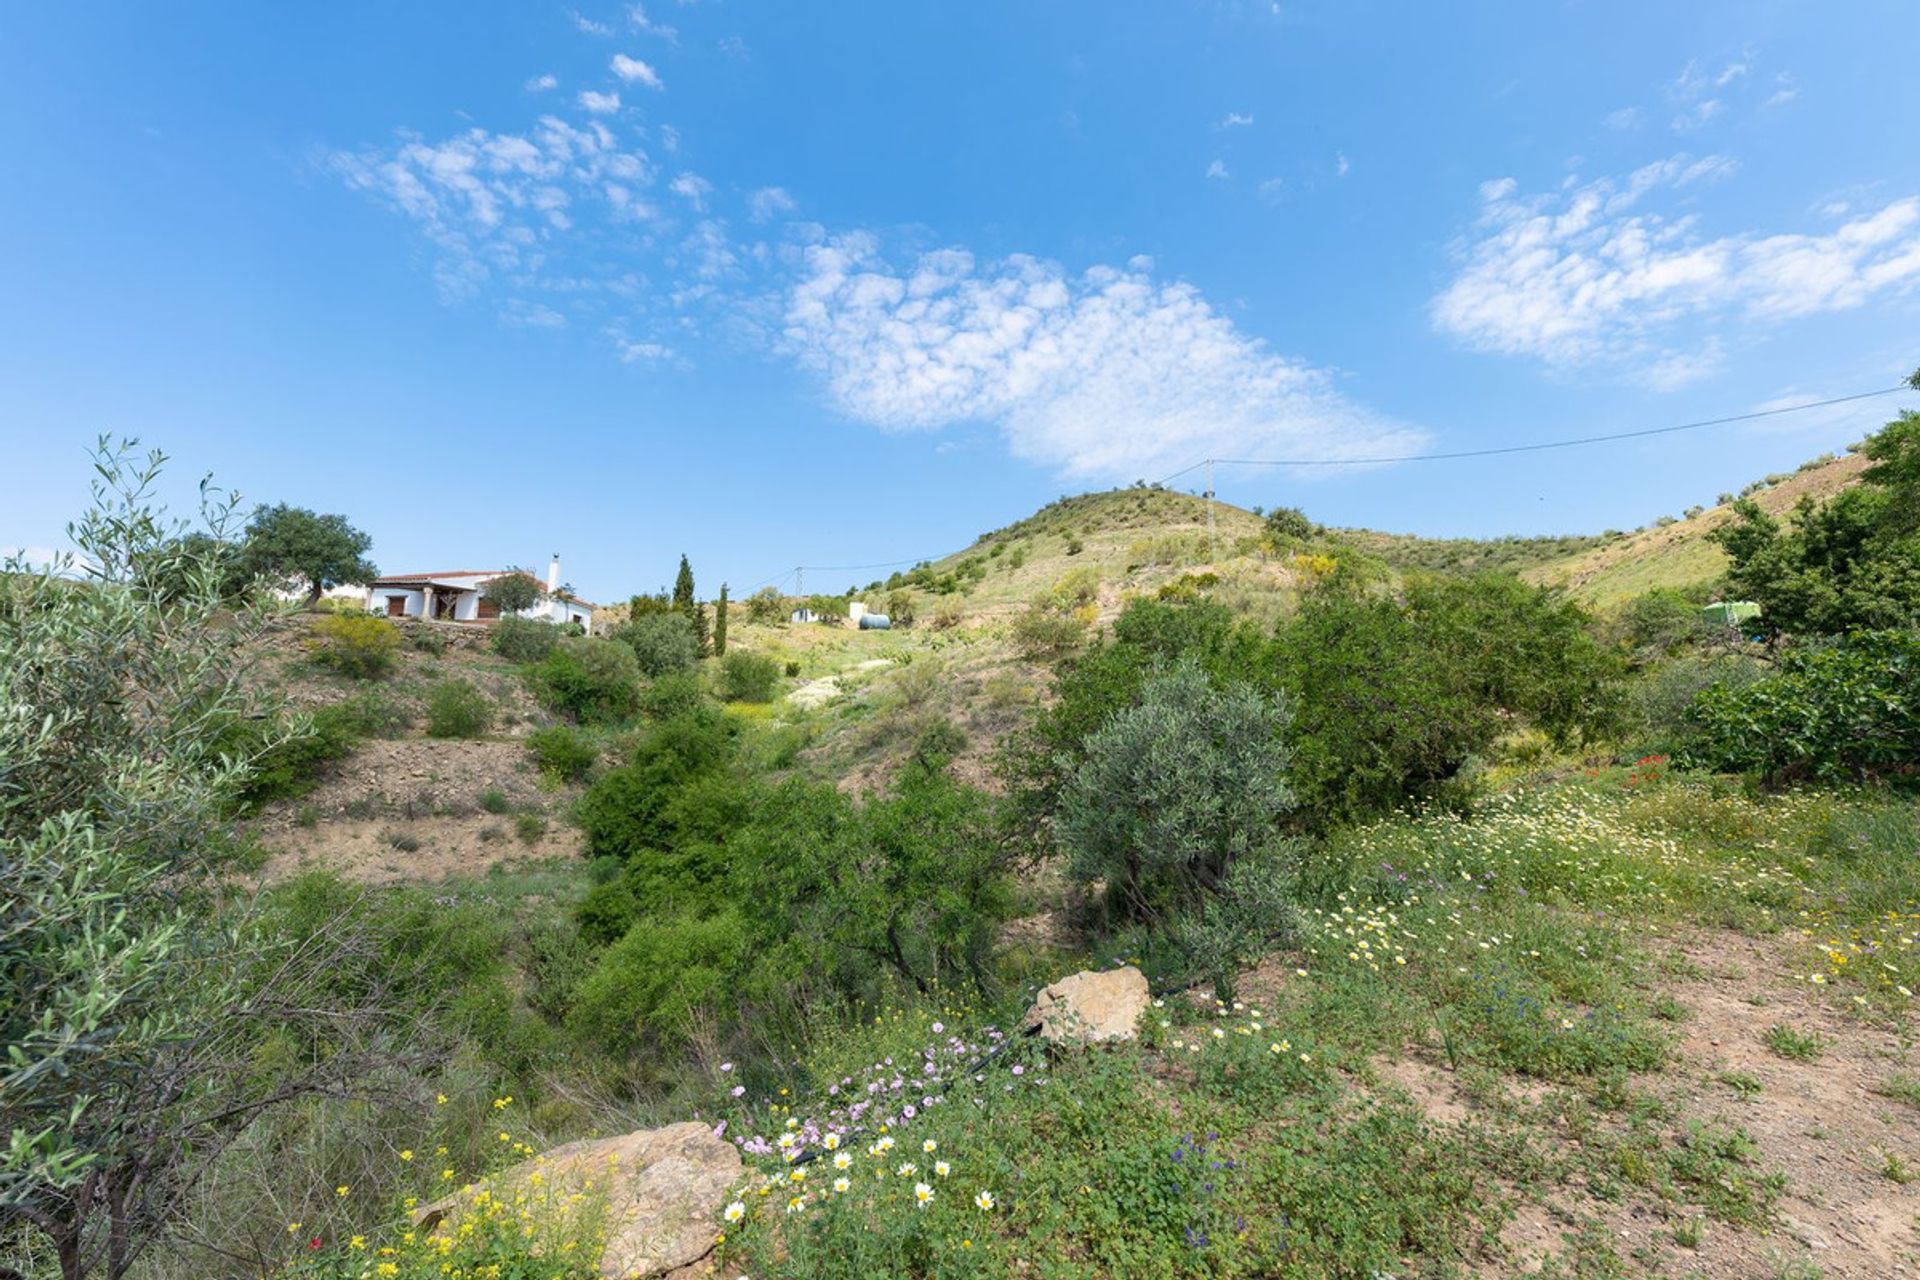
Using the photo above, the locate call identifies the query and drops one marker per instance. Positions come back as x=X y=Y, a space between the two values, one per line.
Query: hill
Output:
x=1679 y=554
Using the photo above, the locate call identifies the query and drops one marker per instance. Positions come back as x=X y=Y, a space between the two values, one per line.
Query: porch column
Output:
x=426 y=607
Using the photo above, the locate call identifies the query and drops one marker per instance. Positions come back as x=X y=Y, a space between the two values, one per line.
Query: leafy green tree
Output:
x=1842 y=710
x=135 y=1017
x=1392 y=698
x=720 y=623
x=593 y=679
x=662 y=643
x=1852 y=562
x=293 y=544
x=1174 y=790
x=513 y=592
x=1288 y=524
x=766 y=605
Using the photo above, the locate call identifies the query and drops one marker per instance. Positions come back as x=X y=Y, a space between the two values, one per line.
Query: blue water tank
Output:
x=875 y=622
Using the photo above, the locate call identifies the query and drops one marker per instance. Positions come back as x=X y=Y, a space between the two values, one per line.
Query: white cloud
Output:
x=692 y=188
x=634 y=71
x=540 y=84
x=1785 y=89
x=494 y=202
x=1585 y=277
x=769 y=202
x=1273 y=190
x=631 y=352
x=1234 y=120
x=637 y=19
x=1218 y=169
x=1624 y=119
x=1106 y=374
x=734 y=47
x=1340 y=165
x=1698 y=116
x=520 y=314
x=599 y=103
x=587 y=26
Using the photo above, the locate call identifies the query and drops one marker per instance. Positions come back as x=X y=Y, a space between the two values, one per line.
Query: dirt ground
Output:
x=1821 y=1123
x=420 y=791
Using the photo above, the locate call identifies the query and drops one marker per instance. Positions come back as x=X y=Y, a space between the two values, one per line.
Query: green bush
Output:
x=596 y=681
x=662 y=643
x=1848 y=709
x=748 y=677
x=1392 y=698
x=563 y=751
x=1288 y=524
x=639 y=806
x=652 y=986
x=359 y=644
x=1041 y=633
x=1659 y=718
x=455 y=709
x=524 y=639
x=673 y=695
x=296 y=763
x=1174 y=791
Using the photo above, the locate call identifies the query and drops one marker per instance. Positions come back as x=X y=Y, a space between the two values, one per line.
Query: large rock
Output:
x=1091 y=1006
x=663 y=1190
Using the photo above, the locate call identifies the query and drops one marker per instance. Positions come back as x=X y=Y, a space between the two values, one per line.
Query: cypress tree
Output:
x=720 y=624
x=683 y=600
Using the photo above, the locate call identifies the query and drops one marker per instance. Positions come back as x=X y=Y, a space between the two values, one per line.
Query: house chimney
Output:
x=553 y=574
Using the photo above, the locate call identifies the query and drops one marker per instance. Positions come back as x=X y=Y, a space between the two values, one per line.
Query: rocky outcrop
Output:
x=1090 y=1007
x=658 y=1193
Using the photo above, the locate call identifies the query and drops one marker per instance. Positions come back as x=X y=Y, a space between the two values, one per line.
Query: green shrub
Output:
x=1174 y=790
x=748 y=677
x=359 y=645
x=1288 y=524
x=494 y=800
x=563 y=751
x=1659 y=717
x=295 y=764
x=524 y=639
x=662 y=643
x=530 y=827
x=651 y=987
x=636 y=808
x=1849 y=709
x=596 y=681
x=1392 y=698
x=455 y=709
x=1255 y=912
x=673 y=695
x=1041 y=633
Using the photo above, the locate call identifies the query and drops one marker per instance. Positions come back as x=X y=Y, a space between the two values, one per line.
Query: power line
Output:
x=1543 y=445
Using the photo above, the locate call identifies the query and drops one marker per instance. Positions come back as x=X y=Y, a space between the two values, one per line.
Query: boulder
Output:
x=663 y=1190
x=1091 y=1006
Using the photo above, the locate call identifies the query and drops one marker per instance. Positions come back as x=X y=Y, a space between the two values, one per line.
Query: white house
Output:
x=457 y=596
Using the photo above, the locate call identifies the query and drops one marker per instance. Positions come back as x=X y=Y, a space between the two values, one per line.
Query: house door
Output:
x=396 y=606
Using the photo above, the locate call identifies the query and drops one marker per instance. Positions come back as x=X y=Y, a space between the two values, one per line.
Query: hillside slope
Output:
x=1681 y=555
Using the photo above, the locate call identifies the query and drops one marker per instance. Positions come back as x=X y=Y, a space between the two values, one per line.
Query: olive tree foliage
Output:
x=131 y=994
x=1172 y=791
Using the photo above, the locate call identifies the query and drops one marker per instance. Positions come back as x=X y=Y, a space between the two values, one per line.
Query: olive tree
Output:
x=293 y=544
x=1173 y=790
x=134 y=989
x=513 y=592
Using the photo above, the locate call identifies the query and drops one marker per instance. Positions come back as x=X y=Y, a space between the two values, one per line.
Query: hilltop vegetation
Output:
x=1460 y=902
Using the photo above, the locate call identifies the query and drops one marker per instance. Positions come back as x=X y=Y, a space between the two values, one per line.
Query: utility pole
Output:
x=1211 y=550
x=799 y=581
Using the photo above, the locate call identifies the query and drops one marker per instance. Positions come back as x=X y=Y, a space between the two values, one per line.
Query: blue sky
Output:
x=836 y=284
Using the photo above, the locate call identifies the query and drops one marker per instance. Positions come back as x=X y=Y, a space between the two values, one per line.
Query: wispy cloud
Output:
x=637 y=19
x=1234 y=120
x=495 y=202
x=768 y=203
x=1624 y=119
x=1341 y=166
x=1218 y=169
x=599 y=103
x=1588 y=277
x=734 y=47
x=634 y=71
x=1108 y=373
x=540 y=84
x=692 y=188
x=588 y=26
